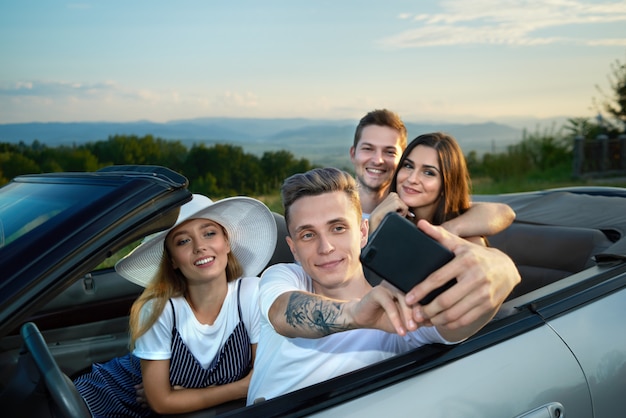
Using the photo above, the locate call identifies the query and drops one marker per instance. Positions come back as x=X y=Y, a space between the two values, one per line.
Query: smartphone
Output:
x=400 y=253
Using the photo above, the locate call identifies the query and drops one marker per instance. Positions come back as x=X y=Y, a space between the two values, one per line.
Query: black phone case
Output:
x=403 y=255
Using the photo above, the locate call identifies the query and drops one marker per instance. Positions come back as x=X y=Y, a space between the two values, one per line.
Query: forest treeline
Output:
x=217 y=170
x=539 y=160
x=226 y=170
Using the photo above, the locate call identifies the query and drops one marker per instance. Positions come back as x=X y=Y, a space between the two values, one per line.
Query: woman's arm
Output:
x=484 y=218
x=164 y=399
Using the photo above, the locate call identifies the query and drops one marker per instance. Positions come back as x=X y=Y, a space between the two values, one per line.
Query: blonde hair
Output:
x=168 y=283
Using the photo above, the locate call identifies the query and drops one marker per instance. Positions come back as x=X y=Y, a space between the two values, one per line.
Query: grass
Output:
x=489 y=186
x=486 y=185
x=273 y=202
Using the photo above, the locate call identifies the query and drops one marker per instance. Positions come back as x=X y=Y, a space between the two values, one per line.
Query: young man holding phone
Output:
x=320 y=318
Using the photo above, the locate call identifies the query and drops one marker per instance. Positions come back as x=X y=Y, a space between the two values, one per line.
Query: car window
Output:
x=118 y=255
x=25 y=207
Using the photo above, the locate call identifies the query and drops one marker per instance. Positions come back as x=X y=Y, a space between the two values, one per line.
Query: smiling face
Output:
x=326 y=237
x=419 y=181
x=199 y=248
x=376 y=156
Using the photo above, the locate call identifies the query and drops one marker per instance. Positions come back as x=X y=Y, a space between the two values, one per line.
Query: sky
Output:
x=446 y=60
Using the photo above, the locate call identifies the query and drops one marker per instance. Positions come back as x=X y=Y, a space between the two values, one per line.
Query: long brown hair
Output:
x=456 y=184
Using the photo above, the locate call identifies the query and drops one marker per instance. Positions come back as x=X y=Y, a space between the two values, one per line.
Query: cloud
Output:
x=232 y=99
x=34 y=100
x=608 y=42
x=77 y=90
x=507 y=22
x=56 y=88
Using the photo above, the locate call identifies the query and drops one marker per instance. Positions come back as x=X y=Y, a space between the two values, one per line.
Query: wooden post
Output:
x=579 y=156
x=622 y=147
x=604 y=153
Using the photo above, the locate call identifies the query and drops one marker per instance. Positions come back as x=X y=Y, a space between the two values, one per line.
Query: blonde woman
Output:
x=195 y=328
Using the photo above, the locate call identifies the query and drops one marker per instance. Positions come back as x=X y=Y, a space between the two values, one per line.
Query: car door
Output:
x=573 y=363
x=508 y=379
x=88 y=322
x=597 y=338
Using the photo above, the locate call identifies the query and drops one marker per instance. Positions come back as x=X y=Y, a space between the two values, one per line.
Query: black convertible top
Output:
x=593 y=208
x=568 y=208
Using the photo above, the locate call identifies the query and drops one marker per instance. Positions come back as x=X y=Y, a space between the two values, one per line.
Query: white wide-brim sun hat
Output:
x=249 y=224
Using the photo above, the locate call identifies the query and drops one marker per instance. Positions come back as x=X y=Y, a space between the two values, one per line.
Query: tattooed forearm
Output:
x=312 y=313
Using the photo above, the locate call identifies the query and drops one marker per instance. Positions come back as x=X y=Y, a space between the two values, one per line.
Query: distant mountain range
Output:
x=323 y=142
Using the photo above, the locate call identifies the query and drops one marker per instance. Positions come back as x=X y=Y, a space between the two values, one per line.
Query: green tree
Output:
x=615 y=102
x=195 y=162
x=540 y=155
x=234 y=171
x=79 y=159
x=14 y=164
x=173 y=154
x=275 y=166
x=278 y=165
x=474 y=165
x=582 y=127
x=206 y=185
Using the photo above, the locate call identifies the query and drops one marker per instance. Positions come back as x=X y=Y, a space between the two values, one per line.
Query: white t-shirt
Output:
x=284 y=364
x=203 y=341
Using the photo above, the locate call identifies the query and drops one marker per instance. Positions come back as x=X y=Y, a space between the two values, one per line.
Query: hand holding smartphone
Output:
x=404 y=256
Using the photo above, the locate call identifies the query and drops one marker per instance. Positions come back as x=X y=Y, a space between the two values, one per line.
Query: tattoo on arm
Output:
x=312 y=313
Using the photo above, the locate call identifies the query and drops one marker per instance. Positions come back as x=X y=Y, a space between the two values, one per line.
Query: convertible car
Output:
x=556 y=348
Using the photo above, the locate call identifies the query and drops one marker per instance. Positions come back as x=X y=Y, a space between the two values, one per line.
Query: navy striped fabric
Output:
x=232 y=363
x=109 y=389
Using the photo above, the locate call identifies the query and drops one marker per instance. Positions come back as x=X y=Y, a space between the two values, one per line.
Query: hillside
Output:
x=324 y=142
